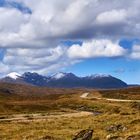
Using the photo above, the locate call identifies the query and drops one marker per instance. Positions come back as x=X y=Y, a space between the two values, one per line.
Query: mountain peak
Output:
x=66 y=80
x=58 y=75
x=30 y=73
x=13 y=75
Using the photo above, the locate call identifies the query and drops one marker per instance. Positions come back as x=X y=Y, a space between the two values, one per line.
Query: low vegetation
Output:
x=128 y=93
x=26 y=116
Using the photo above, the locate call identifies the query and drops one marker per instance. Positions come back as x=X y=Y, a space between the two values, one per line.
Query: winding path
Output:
x=85 y=96
x=31 y=117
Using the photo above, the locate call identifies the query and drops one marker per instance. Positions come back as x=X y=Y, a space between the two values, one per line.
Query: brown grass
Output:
x=56 y=102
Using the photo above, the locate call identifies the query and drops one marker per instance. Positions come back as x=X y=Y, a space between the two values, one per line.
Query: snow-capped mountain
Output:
x=13 y=75
x=58 y=75
x=35 y=79
x=65 y=80
x=62 y=75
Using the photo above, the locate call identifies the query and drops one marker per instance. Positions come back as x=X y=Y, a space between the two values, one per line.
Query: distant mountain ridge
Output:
x=65 y=80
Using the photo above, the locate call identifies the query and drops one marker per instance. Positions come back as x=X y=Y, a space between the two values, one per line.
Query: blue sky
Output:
x=83 y=37
x=125 y=69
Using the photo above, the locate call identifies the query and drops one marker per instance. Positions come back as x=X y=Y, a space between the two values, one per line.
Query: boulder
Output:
x=115 y=128
x=111 y=137
x=84 y=135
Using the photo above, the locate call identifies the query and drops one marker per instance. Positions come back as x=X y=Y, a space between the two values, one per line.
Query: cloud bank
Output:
x=96 y=48
x=32 y=39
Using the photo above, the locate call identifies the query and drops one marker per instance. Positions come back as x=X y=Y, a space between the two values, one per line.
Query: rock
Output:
x=110 y=137
x=115 y=128
x=84 y=135
x=134 y=137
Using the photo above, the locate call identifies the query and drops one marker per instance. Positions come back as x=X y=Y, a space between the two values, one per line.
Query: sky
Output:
x=80 y=36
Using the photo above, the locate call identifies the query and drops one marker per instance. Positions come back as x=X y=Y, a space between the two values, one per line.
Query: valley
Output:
x=36 y=113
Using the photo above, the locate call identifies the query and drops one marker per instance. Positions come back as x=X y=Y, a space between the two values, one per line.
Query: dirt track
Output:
x=85 y=96
x=31 y=117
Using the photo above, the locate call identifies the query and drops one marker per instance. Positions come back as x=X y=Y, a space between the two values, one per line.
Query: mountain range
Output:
x=65 y=80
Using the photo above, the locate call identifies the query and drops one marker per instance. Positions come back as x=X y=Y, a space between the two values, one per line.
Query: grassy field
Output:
x=56 y=114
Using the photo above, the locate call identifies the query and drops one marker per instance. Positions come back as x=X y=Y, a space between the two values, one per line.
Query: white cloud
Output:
x=53 y=21
x=113 y=16
x=4 y=69
x=96 y=48
x=33 y=40
x=46 y=60
x=57 y=20
x=14 y=16
x=135 y=52
x=11 y=21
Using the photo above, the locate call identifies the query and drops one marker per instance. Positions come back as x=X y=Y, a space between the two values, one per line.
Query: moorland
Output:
x=37 y=113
